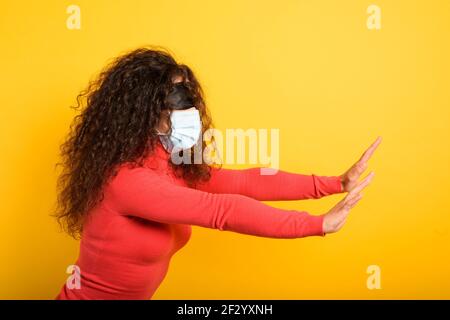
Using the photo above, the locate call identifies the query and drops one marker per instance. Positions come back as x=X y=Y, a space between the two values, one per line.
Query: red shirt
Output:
x=146 y=216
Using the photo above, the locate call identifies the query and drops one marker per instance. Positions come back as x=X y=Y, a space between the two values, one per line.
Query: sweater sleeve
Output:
x=280 y=186
x=143 y=193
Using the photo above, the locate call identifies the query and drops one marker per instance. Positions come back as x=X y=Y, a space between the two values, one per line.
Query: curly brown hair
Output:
x=119 y=112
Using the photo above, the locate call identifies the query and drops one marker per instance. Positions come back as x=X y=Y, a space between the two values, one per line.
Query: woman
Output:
x=133 y=207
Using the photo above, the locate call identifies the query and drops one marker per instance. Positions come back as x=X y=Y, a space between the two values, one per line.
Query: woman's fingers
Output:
x=361 y=165
x=361 y=185
x=350 y=203
x=343 y=202
x=368 y=153
x=351 y=176
x=345 y=211
x=355 y=191
x=353 y=201
x=350 y=200
x=336 y=218
x=341 y=224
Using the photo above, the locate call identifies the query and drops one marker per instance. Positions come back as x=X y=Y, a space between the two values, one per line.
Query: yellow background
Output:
x=311 y=69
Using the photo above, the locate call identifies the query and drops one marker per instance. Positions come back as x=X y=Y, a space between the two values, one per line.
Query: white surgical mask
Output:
x=186 y=130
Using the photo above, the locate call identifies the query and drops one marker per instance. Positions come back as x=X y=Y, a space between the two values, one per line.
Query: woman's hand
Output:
x=336 y=217
x=350 y=178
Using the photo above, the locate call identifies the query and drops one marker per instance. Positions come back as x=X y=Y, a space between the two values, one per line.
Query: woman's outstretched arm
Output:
x=280 y=186
x=141 y=192
x=285 y=185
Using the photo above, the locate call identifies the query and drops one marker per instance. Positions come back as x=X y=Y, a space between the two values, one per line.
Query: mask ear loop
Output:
x=160 y=133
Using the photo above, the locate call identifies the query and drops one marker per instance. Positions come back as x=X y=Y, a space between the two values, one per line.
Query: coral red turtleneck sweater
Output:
x=147 y=212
